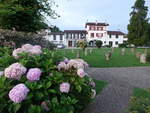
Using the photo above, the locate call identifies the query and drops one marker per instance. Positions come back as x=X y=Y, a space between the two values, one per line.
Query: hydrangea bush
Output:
x=38 y=81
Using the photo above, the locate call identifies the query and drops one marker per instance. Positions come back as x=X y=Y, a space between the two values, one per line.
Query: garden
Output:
x=37 y=80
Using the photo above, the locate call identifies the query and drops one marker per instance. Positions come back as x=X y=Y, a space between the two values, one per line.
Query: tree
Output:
x=25 y=15
x=55 y=29
x=138 y=23
x=99 y=43
x=147 y=41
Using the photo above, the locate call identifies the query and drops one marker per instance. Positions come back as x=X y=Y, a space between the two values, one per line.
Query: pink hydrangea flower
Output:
x=81 y=73
x=66 y=60
x=34 y=74
x=18 y=93
x=27 y=47
x=93 y=93
x=62 y=65
x=77 y=63
x=15 y=71
x=16 y=52
x=35 y=51
x=65 y=87
x=37 y=47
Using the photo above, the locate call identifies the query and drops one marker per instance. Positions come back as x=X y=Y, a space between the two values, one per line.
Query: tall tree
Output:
x=138 y=23
x=55 y=29
x=25 y=15
x=147 y=41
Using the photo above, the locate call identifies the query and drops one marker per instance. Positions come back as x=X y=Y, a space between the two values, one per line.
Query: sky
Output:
x=75 y=13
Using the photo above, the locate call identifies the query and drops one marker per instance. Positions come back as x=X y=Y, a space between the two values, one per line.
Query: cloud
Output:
x=75 y=13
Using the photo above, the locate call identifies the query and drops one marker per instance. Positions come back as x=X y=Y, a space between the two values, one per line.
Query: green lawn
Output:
x=100 y=85
x=140 y=101
x=97 y=58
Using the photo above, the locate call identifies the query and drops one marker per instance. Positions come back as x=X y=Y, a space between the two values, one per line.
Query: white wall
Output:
x=57 y=41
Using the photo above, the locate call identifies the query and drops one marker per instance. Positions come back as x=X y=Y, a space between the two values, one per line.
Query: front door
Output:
x=69 y=43
x=111 y=43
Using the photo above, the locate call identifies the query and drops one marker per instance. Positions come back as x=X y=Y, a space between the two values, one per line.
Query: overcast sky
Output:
x=75 y=13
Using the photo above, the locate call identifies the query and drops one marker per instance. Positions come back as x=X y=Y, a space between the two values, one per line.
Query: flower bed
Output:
x=35 y=81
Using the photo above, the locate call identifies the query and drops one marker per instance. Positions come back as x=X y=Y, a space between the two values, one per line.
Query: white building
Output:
x=92 y=33
x=56 y=37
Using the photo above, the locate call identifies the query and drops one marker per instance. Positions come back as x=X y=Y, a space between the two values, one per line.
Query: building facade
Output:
x=72 y=37
x=92 y=33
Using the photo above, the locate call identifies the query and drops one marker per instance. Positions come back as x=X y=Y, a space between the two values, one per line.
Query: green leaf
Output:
x=48 y=84
x=16 y=107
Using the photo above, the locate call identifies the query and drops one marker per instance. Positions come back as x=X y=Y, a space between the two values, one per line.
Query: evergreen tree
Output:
x=138 y=24
x=55 y=29
x=147 y=41
x=25 y=15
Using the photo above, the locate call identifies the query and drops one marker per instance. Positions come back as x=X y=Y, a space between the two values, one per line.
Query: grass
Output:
x=97 y=58
x=100 y=85
x=140 y=101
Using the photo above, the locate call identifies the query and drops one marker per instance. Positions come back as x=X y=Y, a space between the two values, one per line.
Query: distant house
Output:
x=72 y=36
x=92 y=33
x=56 y=37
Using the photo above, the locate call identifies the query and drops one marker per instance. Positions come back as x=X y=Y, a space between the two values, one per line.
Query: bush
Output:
x=140 y=102
x=82 y=44
x=124 y=45
x=148 y=57
x=99 y=43
x=15 y=39
x=50 y=85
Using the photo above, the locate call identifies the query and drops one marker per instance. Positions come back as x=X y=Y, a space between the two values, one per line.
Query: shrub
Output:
x=108 y=46
x=140 y=102
x=82 y=44
x=99 y=43
x=124 y=45
x=15 y=39
x=148 y=57
x=44 y=84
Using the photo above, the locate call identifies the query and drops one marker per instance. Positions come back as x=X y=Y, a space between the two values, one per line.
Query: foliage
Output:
x=25 y=15
x=99 y=43
x=138 y=23
x=148 y=57
x=147 y=41
x=108 y=46
x=20 y=38
x=47 y=88
x=82 y=44
x=140 y=102
x=124 y=45
x=55 y=29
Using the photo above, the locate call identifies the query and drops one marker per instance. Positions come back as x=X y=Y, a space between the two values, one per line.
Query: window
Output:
x=69 y=35
x=116 y=36
x=61 y=37
x=92 y=34
x=110 y=36
x=105 y=42
x=54 y=37
x=99 y=35
x=116 y=42
x=100 y=28
x=76 y=35
x=92 y=27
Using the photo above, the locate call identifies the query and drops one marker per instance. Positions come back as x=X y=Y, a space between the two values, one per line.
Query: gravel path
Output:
x=115 y=97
